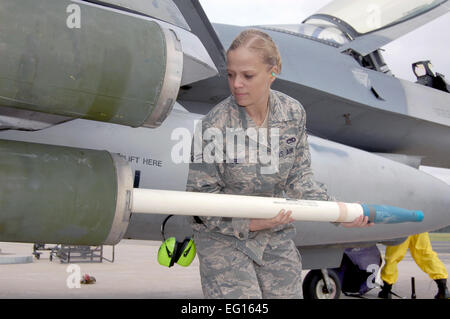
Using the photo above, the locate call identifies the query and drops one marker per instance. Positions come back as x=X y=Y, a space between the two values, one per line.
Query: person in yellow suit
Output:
x=420 y=248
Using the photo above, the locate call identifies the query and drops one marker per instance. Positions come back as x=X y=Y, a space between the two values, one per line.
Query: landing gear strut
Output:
x=321 y=284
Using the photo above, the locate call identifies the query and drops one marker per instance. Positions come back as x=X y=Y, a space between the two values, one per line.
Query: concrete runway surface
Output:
x=135 y=273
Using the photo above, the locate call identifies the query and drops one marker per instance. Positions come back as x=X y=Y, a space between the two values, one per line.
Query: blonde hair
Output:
x=260 y=42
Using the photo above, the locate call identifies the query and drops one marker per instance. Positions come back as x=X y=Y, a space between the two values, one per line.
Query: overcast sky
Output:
x=429 y=42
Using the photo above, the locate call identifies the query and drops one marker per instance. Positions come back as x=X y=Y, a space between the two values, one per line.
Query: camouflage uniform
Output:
x=236 y=262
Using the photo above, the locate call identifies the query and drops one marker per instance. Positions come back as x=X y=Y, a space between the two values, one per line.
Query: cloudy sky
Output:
x=429 y=42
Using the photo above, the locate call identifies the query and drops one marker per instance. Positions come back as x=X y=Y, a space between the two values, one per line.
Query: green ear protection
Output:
x=171 y=251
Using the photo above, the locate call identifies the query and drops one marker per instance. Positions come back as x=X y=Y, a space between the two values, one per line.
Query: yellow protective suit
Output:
x=420 y=248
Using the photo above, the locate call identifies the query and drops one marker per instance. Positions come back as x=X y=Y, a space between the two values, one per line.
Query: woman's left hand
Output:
x=282 y=218
x=359 y=222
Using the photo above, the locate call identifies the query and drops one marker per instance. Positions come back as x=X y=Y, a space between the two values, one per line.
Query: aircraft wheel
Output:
x=314 y=286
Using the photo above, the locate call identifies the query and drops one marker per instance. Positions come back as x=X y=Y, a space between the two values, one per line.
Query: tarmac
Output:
x=136 y=274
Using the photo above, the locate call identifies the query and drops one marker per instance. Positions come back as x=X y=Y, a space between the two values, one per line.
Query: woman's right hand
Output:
x=281 y=219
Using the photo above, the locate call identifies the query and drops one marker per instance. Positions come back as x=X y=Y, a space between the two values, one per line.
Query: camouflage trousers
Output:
x=226 y=272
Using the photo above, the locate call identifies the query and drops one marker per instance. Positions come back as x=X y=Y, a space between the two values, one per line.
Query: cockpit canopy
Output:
x=341 y=21
x=368 y=16
x=360 y=28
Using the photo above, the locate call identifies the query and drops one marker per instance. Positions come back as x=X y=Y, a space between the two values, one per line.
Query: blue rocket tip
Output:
x=384 y=214
x=419 y=215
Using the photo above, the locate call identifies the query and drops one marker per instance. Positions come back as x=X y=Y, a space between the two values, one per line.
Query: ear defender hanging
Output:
x=171 y=251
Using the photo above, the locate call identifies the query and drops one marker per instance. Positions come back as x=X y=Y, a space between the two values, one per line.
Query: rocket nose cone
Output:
x=419 y=216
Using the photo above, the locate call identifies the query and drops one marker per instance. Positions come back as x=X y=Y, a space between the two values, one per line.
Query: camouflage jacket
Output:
x=287 y=174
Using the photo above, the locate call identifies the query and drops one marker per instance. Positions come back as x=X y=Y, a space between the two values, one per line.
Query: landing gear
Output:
x=321 y=284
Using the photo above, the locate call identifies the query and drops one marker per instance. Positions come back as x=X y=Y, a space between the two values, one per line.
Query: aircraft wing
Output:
x=202 y=28
x=193 y=96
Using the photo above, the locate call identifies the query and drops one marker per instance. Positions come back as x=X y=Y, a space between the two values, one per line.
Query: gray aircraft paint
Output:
x=335 y=84
x=405 y=118
x=350 y=175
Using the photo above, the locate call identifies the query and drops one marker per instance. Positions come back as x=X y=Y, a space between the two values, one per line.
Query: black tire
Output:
x=313 y=285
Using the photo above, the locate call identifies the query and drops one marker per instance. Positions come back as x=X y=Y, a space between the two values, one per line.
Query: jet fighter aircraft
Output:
x=87 y=84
